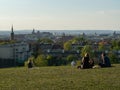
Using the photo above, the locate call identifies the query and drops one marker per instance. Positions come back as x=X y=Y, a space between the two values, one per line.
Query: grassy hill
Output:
x=60 y=78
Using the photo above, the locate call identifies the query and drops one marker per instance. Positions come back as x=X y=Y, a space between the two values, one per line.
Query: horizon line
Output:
x=60 y=29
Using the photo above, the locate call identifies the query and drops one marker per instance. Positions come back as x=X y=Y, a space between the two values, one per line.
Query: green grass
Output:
x=60 y=78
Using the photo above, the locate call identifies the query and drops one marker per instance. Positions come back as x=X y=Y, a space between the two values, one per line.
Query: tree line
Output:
x=40 y=59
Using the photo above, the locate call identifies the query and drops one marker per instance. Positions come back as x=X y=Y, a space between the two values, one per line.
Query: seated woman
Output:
x=85 y=61
x=105 y=61
x=30 y=64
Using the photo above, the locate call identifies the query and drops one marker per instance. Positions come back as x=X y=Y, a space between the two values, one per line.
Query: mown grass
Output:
x=60 y=78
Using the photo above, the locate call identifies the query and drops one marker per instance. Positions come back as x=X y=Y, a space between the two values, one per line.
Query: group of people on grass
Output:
x=89 y=63
x=86 y=62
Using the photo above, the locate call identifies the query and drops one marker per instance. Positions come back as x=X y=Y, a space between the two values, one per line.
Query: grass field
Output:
x=60 y=78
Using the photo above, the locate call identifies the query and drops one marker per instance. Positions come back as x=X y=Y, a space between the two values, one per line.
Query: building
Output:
x=17 y=53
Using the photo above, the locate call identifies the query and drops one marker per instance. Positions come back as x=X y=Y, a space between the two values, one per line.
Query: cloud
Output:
x=102 y=12
x=114 y=12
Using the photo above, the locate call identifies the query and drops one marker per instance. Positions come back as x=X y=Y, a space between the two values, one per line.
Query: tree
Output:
x=71 y=58
x=68 y=45
x=40 y=61
x=113 y=57
x=55 y=61
x=87 y=49
x=101 y=47
x=45 y=40
x=50 y=60
x=116 y=44
x=78 y=40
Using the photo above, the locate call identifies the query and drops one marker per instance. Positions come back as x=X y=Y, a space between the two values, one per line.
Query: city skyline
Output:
x=60 y=14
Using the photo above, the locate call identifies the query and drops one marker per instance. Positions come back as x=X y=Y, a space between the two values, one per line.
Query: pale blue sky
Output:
x=60 y=14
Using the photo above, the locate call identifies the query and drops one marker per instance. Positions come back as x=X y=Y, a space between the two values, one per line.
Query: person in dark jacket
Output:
x=85 y=61
x=30 y=64
x=105 y=61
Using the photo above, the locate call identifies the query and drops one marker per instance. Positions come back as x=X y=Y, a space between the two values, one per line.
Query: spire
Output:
x=12 y=28
x=33 y=32
x=12 y=33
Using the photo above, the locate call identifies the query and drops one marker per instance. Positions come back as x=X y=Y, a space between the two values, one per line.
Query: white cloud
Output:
x=115 y=12
x=100 y=12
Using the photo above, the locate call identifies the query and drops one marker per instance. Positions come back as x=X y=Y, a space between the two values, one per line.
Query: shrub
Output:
x=40 y=61
x=71 y=58
x=113 y=58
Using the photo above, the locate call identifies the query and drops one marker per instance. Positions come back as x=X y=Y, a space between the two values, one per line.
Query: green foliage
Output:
x=45 y=40
x=50 y=60
x=77 y=40
x=71 y=58
x=26 y=63
x=68 y=45
x=40 y=61
x=116 y=48
x=79 y=48
x=116 y=44
x=7 y=42
x=55 y=61
x=101 y=47
x=87 y=49
x=113 y=58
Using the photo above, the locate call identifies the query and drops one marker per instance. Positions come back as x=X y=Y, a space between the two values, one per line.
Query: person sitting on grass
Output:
x=30 y=64
x=73 y=63
x=105 y=61
x=85 y=61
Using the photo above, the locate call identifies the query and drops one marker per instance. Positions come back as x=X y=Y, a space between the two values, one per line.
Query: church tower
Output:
x=33 y=32
x=12 y=33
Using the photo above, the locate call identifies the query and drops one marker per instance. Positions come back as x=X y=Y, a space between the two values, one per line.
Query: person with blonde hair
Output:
x=85 y=61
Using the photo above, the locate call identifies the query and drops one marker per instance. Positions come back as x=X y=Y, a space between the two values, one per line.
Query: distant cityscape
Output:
x=17 y=46
x=7 y=32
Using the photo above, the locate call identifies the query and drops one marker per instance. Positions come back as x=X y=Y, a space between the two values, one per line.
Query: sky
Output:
x=60 y=14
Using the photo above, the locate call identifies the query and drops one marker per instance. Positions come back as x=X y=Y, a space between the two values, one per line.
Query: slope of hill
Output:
x=60 y=78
